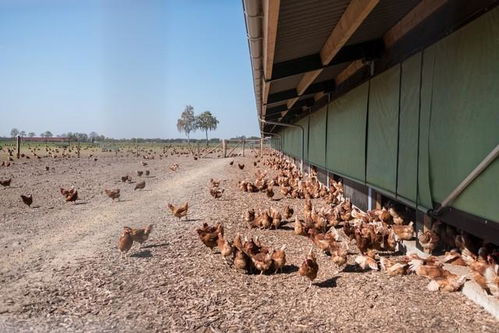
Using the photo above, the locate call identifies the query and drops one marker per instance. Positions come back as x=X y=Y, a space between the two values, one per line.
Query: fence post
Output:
x=18 y=146
x=224 y=148
x=261 y=147
x=198 y=149
x=244 y=142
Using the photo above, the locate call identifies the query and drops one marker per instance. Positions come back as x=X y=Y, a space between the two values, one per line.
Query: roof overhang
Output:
x=303 y=52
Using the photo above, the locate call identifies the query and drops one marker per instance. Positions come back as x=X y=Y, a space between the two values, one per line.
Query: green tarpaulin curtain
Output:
x=346 y=135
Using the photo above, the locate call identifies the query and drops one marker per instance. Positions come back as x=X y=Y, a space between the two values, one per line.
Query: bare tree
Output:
x=187 y=121
x=31 y=134
x=14 y=132
x=22 y=134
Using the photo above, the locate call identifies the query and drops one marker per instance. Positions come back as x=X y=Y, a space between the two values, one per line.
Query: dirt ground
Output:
x=60 y=270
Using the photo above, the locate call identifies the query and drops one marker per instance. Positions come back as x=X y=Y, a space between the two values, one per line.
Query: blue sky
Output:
x=124 y=68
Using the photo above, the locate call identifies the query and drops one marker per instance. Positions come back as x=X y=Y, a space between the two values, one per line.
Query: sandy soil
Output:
x=60 y=269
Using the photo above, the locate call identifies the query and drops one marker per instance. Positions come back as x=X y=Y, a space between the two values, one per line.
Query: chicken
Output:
x=309 y=267
x=65 y=193
x=450 y=283
x=224 y=246
x=27 y=199
x=428 y=240
x=124 y=178
x=427 y=269
x=231 y=163
x=241 y=259
x=269 y=193
x=140 y=186
x=147 y=172
x=72 y=196
x=394 y=267
x=179 y=212
x=241 y=166
x=140 y=173
x=216 y=192
x=288 y=212
x=214 y=182
x=262 y=261
x=249 y=216
x=5 y=182
x=209 y=234
x=125 y=242
x=404 y=232
x=339 y=253
x=299 y=227
x=174 y=167
x=279 y=259
x=453 y=257
x=366 y=262
x=113 y=194
x=141 y=235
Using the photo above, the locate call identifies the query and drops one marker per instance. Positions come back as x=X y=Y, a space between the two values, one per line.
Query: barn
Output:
x=399 y=99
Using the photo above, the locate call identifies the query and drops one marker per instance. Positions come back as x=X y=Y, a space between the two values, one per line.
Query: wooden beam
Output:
x=292 y=102
x=417 y=15
x=318 y=96
x=271 y=17
x=265 y=95
x=307 y=80
x=353 y=68
x=356 y=12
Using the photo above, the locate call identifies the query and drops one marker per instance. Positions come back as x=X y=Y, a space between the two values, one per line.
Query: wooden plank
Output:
x=356 y=12
x=417 y=15
x=353 y=68
x=271 y=17
x=318 y=96
x=307 y=79
x=292 y=102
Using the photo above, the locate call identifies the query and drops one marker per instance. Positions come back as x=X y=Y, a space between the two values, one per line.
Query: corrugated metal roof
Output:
x=384 y=16
x=304 y=26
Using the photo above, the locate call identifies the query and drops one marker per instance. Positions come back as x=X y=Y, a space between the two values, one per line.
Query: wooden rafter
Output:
x=356 y=12
x=417 y=15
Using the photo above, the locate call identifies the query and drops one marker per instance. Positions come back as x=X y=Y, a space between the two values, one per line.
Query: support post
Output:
x=18 y=144
x=198 y=150
x=244 y=143
x=261 y=147
x=378 y=200
x=224 y=148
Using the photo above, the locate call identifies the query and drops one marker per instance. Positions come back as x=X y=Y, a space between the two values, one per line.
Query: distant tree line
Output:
x=81 y=137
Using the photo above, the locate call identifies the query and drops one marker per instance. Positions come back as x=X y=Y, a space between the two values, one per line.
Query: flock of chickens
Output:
x=334 y=226
x=338 y=229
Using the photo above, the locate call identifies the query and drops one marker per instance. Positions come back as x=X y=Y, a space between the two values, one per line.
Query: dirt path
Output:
x=61 y=270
